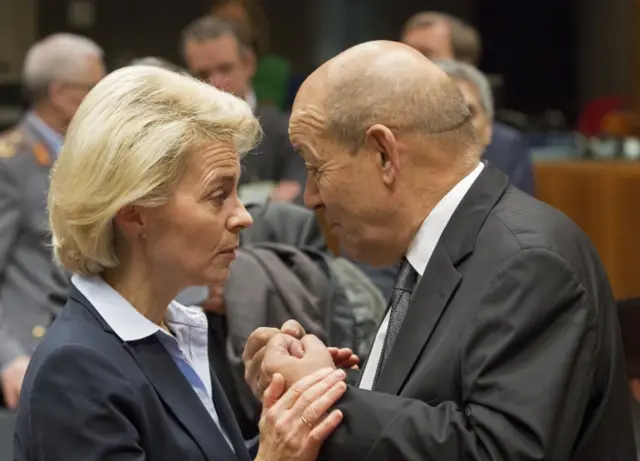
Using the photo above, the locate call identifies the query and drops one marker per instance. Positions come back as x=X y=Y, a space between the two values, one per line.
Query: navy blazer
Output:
x=508 y=152
x=88 y=395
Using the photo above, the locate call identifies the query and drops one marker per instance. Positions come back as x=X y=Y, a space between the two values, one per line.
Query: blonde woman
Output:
x=142 y=204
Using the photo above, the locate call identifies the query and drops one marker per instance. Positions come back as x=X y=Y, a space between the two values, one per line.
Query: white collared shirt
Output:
x=418 y=255
x=189 y=324
x=252 y=100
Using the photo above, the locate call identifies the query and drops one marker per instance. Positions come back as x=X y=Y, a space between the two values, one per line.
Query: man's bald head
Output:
x=391 y=84
x=384 y=134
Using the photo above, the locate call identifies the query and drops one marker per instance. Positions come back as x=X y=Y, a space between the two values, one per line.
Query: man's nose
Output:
x=312 y=194
x=218 y=80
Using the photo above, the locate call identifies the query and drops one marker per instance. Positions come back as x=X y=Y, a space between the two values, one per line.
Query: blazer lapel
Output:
x=441 y=278
x=432 y=294
x=177 y=394
x=228 y=419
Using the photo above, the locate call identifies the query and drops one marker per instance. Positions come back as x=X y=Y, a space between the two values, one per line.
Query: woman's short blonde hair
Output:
x=128 y=143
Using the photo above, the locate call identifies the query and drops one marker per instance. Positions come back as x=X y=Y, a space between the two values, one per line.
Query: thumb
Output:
x=273 y=392
x=312 y=343
x=293 y=328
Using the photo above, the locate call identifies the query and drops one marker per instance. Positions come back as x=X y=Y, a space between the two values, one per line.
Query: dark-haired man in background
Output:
x=218 y=52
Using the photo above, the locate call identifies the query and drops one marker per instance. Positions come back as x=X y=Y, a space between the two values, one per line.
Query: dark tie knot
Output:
x=406 y=277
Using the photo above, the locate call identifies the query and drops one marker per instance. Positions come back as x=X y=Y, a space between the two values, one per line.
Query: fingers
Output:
x=11 y=397
x=252 y=372
x=257 y=340
x=295 y=348
x=291 y=396
x=340 y=355
x=319 y=399
x=293 y=328
x=273 y=392
x=325 y=428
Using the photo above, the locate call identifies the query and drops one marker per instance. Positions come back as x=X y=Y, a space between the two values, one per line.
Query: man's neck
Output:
x=427 y=196
x=50 y=116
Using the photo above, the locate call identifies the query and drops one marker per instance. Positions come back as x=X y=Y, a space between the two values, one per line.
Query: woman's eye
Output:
x=219 y=196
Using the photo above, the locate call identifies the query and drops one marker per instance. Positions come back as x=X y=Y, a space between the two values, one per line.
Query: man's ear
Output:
x=54 y=92
x=381 y=140
x=250 y=61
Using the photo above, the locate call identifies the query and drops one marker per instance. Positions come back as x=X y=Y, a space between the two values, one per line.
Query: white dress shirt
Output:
x=189 y=324
x=418 y=255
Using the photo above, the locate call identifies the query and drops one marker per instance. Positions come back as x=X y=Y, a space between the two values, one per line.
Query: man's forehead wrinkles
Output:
x=310 y=116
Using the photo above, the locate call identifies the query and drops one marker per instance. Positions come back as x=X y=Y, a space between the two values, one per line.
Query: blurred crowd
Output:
x=288 y=251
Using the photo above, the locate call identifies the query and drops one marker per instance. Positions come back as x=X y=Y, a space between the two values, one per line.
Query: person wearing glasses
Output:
x=58 y=73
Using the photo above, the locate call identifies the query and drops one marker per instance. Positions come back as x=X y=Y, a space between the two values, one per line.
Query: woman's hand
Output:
x=344 y=358
x=293 y=427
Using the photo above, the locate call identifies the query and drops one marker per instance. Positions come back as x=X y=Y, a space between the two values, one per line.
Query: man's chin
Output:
x=366 y=254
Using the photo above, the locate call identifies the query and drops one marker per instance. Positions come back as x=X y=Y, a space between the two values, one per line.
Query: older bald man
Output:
x=501 y=341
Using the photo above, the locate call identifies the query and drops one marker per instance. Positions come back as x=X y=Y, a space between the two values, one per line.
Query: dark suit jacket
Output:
x=510 y=349
x=508 y=152
x=89 y=396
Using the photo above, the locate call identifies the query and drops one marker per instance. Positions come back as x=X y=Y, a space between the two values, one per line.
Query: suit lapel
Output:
x=177 y=394
x=432 y=294
x=441 y=278
x=228 y=419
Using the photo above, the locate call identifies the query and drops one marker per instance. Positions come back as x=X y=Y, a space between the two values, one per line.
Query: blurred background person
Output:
x=158 y=62
x=58 y=73
x=441 y=36
x=477 y=91
x=272 y=81
x=216 y=51
x=143 y=203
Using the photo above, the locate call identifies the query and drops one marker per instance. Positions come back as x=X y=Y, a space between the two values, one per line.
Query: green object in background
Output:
x=270 y=80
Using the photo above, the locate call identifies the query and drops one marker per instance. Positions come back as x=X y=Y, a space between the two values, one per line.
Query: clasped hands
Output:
x=294 y=375
x=291 y=353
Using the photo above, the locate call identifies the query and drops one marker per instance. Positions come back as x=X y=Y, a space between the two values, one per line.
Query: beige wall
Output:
x=18 y=22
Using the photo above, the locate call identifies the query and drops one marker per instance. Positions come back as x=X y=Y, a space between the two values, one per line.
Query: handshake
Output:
x=290 y=353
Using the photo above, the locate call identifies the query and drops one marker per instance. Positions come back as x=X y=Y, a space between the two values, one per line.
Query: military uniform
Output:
x=32 y=286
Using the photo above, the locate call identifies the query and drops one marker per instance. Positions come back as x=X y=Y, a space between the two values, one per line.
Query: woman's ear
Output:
x=130 y=221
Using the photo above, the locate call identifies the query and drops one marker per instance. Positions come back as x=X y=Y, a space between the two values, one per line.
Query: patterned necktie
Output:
x=400 y=300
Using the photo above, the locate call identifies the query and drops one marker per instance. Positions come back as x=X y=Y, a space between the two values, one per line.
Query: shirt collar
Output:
x=52 y=138
x=425 y=241
x=124 y=319
x=252 y=100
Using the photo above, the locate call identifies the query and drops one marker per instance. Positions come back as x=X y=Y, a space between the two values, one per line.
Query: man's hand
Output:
x=256 y=347
x=281 y=357
x=11 y=378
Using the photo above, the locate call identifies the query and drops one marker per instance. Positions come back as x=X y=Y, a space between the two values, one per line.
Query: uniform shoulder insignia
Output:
x=9 y=144
x=7 y=149
x=41 y=153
